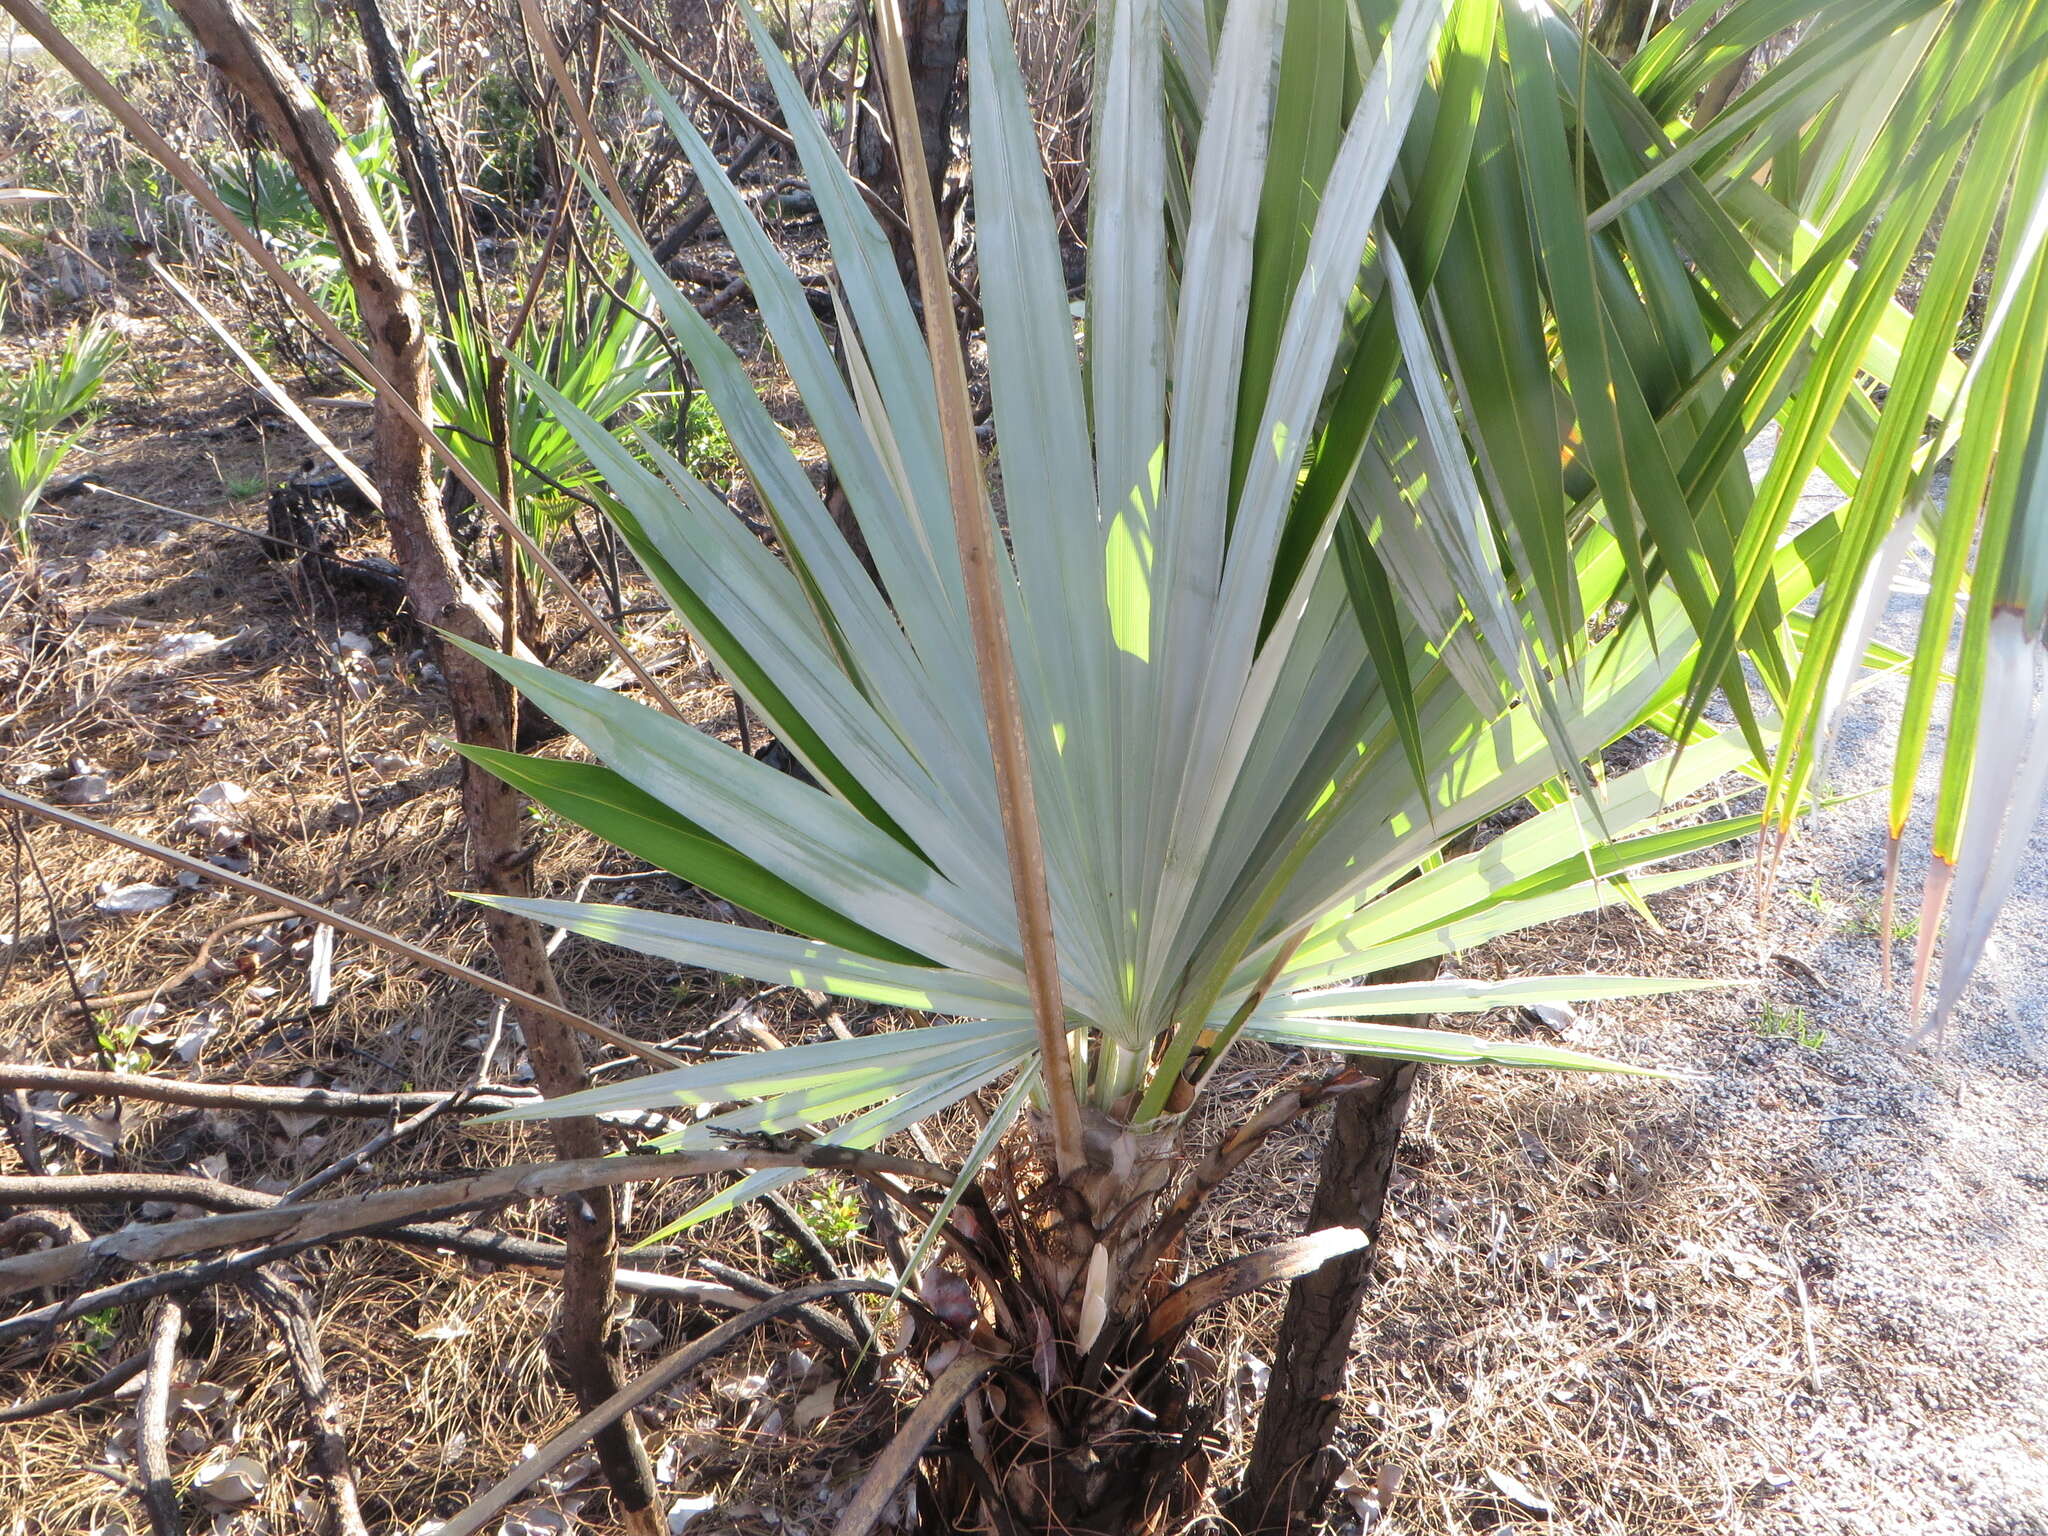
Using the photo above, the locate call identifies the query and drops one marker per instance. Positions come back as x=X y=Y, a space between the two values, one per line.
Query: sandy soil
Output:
x=1936 y=1418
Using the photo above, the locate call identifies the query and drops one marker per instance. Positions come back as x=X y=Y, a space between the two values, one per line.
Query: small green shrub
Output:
x=1868 y=923
x=122 y=1043
x=707 y=450
x=834 y=1214
x=50 y=392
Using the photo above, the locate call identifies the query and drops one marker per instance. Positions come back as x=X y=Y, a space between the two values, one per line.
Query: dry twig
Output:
x=285 y=1305
x=317 y=1220
x=295 y=1101
x=153 y=1420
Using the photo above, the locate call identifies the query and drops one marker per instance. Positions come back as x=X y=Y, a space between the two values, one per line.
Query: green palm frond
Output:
x=602 y=355
x=1398 y=471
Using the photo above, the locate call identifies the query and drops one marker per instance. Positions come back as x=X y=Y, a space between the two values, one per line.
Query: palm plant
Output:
x=48 y=393
x=53 y=389
x=1397 y=472
x=261 y=190
x=603 y=356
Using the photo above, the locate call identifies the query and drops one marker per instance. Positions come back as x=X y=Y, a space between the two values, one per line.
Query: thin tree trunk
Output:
x=1721 y=90
x=444 y=232
x=1619 y=31
x=1293 y=1466
x=482 y=706
x=935 y=37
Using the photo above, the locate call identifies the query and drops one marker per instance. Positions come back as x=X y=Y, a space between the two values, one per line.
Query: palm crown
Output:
x=1393 y=469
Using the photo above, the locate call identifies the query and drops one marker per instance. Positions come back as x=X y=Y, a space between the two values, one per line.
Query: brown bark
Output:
x=584 y=1353
x=1622 y=24
x=935 y=38
x=1293 y=1466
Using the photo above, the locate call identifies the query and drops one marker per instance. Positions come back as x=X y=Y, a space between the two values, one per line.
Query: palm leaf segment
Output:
x=1380 y=491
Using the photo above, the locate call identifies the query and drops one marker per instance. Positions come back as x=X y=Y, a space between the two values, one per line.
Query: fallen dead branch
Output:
x=153 y=1420
x=211 y=1194
x=285 y=1304
x=296 y=1101
x=314 y=1221
x=67 y=1189
x=436 y=1237
x=108 y=1382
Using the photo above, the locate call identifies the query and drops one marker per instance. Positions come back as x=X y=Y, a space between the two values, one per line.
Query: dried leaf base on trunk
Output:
x=1088 y=1421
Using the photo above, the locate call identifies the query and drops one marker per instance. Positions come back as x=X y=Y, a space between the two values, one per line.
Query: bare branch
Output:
x=296 y=1101
x=286 y=1306
x=316 y=1220
x=68 y=1189
x=153 y=1421
x=494 y=1247
x=108 y=1382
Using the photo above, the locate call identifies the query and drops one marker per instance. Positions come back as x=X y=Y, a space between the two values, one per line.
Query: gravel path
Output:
x=1935 y=1416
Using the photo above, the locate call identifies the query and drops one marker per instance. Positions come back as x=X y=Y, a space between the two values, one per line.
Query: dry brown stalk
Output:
x=295 y=1101
x=995 y=666
x=277 y=394
x=322 y=1219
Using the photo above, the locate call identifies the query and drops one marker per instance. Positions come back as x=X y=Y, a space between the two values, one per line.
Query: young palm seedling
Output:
x=34 y=408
